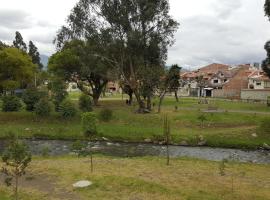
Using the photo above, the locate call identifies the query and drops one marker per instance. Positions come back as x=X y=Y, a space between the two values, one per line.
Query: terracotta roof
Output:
x=213 y=68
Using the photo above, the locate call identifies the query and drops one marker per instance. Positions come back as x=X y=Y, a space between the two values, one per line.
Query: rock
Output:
x=184 y=143
x=201 y=138
x=266 y=146
x=105 y=139
x=27 y=129
x=148 y=140
x=254 y=135
x=82 y=184
x=202 y=143
x=109 y=144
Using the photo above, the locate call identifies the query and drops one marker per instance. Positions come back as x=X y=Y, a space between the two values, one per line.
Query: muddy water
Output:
x=60 y=147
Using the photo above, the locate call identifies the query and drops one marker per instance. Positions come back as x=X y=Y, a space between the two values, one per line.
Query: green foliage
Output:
x=16 y=69
x=43 y=107
x=18 y=42
x=85 y=103
x=80 y=148
x=58 y=88
x=31 y=96
x=202 y=118
x=34 y=54
x=105 y=115
x=16 y=159
x=11 y=104
x=45 y=151
x=67 y=109
x=89 y=124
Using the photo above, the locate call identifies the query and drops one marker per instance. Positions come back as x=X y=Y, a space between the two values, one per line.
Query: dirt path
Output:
x=46 y=185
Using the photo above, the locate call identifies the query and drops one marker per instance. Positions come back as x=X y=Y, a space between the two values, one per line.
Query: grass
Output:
x=219 y=130
x=150 y=178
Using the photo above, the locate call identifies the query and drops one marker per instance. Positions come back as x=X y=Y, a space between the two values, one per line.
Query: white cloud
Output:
x=231 y=31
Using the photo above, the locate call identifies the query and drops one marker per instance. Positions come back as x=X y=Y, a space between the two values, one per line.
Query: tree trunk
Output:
x=149 y=104
x=168 y=154
x=91 y=160
x=160 y=101
x=16 y=187
x=130 y=99
x=140 y=102
x=176 y=96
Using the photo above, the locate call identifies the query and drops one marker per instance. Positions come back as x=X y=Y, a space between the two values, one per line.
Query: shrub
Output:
x=265 y=126
x=89 y=124
x=43 y=107
x=11 y=104
x=105 y=114
x=85 y=103
x=67 y=109
x=31 y=96
x=59 y=92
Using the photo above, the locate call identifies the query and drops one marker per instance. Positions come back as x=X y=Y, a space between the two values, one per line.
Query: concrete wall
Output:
x=255 y=94
x=225 y=93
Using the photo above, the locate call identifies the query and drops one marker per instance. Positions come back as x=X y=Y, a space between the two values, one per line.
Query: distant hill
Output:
x=44 y=60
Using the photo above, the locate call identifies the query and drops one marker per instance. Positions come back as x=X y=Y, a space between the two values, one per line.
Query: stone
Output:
x=105 y=139
x=202 y=143
x=27 y=129
x=254 y=135
x=184 y=143
x=148 y=140
x=82 y=184
x=266 y=146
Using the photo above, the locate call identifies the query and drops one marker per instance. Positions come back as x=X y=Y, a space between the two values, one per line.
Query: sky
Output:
x=211 y=31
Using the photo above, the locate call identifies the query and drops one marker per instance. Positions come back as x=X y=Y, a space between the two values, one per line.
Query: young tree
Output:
x=135 y=35
x=167 y=136
x=16 y=158
x=16 y=69
x=18 y=42
x=89 y=127
x=34 y=54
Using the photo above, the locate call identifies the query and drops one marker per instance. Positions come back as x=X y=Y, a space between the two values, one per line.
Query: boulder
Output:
x=202 y=143
x=183 y=143
x=266 y=146
x=82 y=184
x=148 y=140
x=254 y=135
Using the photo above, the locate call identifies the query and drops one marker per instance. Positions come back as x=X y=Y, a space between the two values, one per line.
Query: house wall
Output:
x=255 y=94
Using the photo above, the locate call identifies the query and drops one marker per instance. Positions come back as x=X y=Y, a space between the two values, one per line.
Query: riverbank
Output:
x=227 y=130
x=142 y=178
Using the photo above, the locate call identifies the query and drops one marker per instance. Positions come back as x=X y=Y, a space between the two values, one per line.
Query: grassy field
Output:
x=226 y=129
x=144 y=178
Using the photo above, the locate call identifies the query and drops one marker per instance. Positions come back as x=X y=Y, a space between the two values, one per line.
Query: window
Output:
x=258 y=83
x=225 y=80
x=215 y=81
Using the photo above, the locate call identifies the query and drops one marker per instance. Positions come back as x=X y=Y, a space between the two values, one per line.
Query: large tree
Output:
x=16 y=69
x=138 y=33
x=34 y=54
x=266 y=62
x=77 y=62
x=18 y=42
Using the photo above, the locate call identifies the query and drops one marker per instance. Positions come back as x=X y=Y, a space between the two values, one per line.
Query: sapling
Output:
x=167 y=136
x=89 y=126
x=16 y=158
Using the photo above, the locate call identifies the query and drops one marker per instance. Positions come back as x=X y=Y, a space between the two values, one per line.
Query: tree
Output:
x=3 y=45
x=34 y=54
x=135 y=35
x=266 y=62
x=16 y=69
x=77 y=62
x=16 y=158
x=174 y=80
x=18 y=42
x=169 y=81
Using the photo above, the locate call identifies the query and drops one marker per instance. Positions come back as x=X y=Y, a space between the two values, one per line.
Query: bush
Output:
x=89 y=124
x=67 y=109
x=31 y=96
x=265 y=126
x=43 y=107
x=11 y=104
x=106 y=114
x=85 y=103
x=59 y=92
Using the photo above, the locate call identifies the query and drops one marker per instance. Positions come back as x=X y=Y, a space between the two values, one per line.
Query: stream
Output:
x=61 y=147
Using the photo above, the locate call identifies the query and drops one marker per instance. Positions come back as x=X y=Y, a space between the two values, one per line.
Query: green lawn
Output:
x=220 y=129
x=144 y=178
